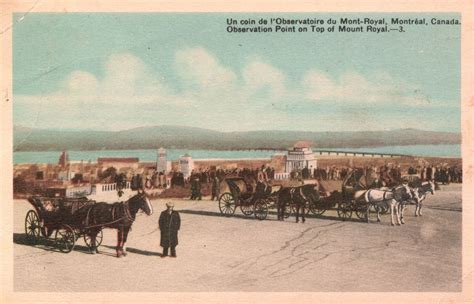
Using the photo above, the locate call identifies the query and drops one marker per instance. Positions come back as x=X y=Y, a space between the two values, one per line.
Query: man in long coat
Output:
x=169 y=224
x=215 y=189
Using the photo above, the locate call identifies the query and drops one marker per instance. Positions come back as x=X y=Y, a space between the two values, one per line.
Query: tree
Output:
x=19 y=185
x=109 y=173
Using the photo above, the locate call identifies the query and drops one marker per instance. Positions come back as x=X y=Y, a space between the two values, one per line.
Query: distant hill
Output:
x=178 y=137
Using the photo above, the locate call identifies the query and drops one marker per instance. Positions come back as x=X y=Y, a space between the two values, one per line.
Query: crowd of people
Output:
x=443 y=174
x=386 y=175
x=327 y=173
x=215 y=176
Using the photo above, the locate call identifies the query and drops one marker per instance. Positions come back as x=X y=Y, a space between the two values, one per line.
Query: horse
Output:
x=421 y=191
x=381 y=197
x=118 y=216
x=299 y=196
x=419 y=195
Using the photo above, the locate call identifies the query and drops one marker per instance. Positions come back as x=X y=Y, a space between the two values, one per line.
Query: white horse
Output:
x=422 y=191
x=419 y=195
x=379 y=198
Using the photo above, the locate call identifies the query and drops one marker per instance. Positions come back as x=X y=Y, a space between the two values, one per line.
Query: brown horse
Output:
x=118 y=216
x=299 y=197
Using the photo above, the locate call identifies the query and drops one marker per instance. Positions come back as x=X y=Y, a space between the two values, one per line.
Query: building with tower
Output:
x=63 y=159
x=162 y=163
x=186 y=165
x=300 y=156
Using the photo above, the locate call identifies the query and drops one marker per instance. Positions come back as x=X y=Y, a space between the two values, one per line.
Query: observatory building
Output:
x=300 y=156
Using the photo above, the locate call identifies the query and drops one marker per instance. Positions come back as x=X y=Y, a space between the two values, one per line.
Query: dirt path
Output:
x=240 y=254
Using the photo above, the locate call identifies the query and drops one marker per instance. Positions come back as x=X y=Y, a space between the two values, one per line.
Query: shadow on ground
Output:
x=48 y=244
x=138 y=251
x=251 y=217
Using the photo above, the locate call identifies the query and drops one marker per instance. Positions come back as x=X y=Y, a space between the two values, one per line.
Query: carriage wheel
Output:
x=32 y=227
x=361 y=211
x=344 y=210
x=261 y=209
x=45 y=231
x=246 y=209
x=227 y=204
x=315 y=209
x=65 y=239
x=98 y=239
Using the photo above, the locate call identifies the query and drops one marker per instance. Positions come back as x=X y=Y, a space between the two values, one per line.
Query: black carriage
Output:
x=319 y=206
x=57 y=214
x=356 y=180
x=250 y=201
x=413 y=180
x=316 y=205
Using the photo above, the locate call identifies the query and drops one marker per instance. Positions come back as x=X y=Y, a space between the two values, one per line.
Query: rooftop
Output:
x=117 y=160
x=302 y=144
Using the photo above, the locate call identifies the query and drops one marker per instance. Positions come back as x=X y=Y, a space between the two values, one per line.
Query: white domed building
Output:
x=300 y=156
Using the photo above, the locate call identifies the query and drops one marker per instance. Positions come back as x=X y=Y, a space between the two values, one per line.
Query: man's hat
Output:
x=169 y=204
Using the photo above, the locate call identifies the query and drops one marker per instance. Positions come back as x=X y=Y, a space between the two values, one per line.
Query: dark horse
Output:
x=118 y=216
x=299 y=196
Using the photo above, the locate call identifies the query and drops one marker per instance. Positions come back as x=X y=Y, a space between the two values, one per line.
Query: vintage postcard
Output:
x=248 y=152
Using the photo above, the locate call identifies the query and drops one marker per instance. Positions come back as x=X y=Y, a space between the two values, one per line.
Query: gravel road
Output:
x=243 y=254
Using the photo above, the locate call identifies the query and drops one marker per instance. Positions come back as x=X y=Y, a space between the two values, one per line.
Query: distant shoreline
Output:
x=150 y=155
x=172 y=137
x=338 y=148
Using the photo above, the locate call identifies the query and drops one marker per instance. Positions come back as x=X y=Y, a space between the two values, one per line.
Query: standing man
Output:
x=215 y=188
x=193 y=189
x=429 y=173
x=169 y=224
x=198 y=189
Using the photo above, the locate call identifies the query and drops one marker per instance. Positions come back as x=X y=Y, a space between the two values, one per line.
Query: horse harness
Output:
x=126 y=215
x=367 y=195
x=292 y=191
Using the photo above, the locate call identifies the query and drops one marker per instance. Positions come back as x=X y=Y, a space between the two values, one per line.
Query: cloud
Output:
x=207 y=93
x=258 y=76
x=203 y=72
x=126 y=79
x=353 y=87
x=127 y=76
x=81 y=83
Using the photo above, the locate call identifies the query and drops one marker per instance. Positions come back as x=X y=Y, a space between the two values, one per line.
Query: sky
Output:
x=104 y=71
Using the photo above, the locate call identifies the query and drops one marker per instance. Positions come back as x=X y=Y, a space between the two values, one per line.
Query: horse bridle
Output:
x=142 y=195
x=126 y=211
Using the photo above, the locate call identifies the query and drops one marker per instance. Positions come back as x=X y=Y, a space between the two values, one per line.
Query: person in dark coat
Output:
x=305 y=173
x=169 y=224
x=215 y=188
x=429 y=173
x=196 y=188
x=193 y=189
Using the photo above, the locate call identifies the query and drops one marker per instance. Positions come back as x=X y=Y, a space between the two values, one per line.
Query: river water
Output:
x=52 y=157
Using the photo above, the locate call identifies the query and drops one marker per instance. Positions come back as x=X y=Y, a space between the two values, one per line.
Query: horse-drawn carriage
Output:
x=343 y=201
x=258 y=198
x=251 y=198
x=57 y=214
x=358 y=180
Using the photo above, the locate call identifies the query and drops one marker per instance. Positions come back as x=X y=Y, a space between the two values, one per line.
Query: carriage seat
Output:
x=73 y=205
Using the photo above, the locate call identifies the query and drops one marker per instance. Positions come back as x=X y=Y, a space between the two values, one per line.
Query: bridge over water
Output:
x=328 y=152
x=357 y=154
